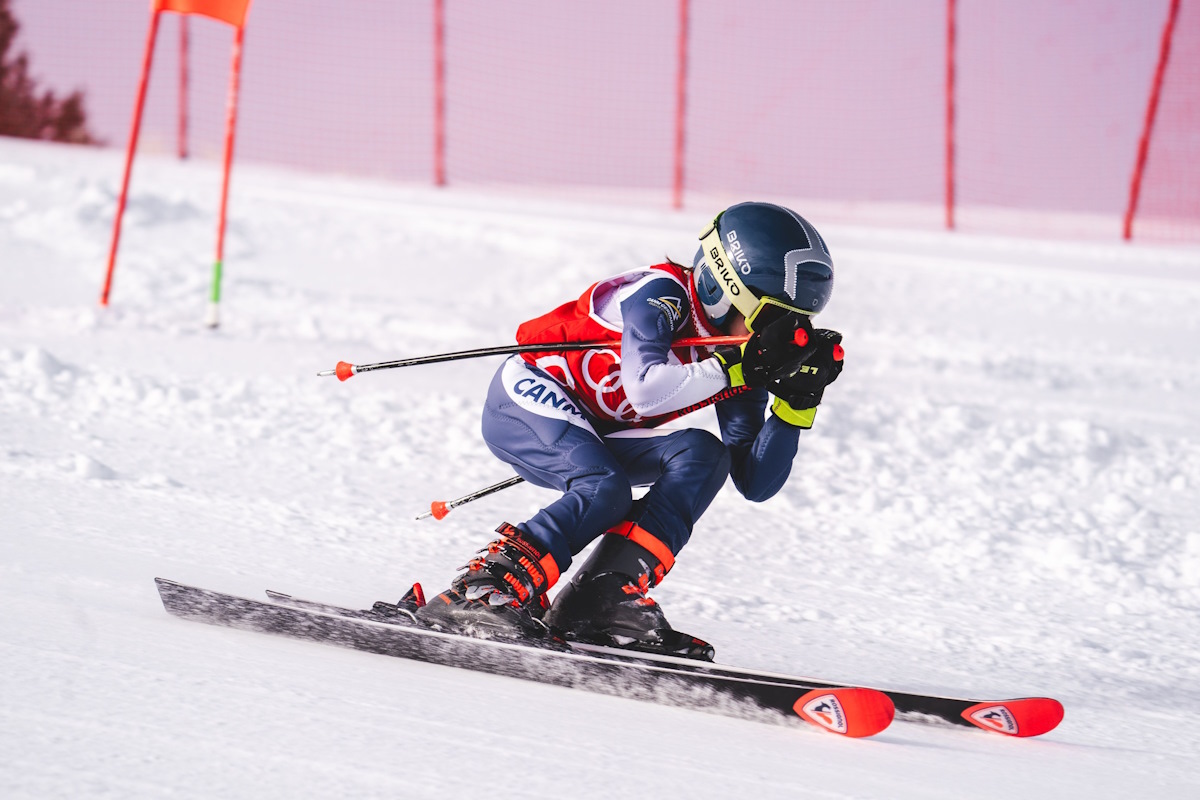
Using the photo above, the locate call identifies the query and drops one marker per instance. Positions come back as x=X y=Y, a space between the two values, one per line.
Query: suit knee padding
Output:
x=611 y=495
x=699 y=451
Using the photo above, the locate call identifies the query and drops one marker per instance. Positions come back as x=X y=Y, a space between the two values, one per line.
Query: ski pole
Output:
x=438 y=509
x=345 y=371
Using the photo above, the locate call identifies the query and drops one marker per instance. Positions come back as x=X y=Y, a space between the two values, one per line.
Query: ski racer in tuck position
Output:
x=583 y=423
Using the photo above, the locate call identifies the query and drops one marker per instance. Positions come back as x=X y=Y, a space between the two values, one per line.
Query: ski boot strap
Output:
x=654 y=546
x=518 y=562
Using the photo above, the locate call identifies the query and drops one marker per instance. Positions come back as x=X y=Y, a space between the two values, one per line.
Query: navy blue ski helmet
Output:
x=760 y=253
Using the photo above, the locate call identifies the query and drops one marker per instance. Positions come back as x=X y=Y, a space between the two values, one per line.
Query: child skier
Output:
x=581 y=423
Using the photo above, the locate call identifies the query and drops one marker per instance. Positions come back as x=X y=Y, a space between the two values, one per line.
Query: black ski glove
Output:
x=775 y=351
x=799 y=393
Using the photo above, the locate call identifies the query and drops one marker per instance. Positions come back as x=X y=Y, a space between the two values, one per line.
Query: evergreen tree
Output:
x=26 y=111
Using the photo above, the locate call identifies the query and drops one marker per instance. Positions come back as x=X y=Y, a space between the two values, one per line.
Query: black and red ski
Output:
x=1021 y=717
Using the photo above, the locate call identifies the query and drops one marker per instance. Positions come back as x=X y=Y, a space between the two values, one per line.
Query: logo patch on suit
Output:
x=669 y=306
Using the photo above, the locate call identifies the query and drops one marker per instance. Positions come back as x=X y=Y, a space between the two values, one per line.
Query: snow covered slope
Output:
x=999 y=498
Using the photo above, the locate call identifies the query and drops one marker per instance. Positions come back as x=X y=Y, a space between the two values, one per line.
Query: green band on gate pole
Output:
x=216 y=284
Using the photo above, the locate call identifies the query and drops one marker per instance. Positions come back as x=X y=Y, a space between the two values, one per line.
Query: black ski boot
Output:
x=606 y=603
x=501 y=593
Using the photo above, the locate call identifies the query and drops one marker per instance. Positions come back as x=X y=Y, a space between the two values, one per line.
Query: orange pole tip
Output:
x=438 y=509
x=344 y=371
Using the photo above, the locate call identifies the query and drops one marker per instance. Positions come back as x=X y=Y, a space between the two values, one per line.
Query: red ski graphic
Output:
x=848 y=712
x=1029 y=716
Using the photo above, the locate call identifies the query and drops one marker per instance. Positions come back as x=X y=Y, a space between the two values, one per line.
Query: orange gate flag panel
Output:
x=231 y=11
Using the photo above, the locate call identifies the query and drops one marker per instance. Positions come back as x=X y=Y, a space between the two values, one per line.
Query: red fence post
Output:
x=951 y=44
x=183 y=86
x=681 y=103
x=439 y=92
x=1164 y=53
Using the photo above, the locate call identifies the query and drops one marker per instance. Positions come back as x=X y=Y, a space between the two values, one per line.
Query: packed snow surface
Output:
x=999 y=499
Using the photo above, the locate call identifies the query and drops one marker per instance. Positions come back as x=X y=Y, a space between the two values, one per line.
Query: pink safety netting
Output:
x=839 y=108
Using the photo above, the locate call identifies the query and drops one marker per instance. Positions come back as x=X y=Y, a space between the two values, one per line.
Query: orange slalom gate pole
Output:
x=230 y=124
x=129 y=152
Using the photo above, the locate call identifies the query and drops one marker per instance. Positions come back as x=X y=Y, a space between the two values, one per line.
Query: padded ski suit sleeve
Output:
x=761 y=450
x=651 y=314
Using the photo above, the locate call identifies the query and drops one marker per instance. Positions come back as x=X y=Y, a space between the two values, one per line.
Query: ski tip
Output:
x=849 y=712
x=1027 y=716
x=166 y=584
